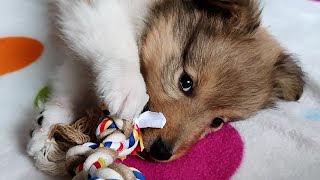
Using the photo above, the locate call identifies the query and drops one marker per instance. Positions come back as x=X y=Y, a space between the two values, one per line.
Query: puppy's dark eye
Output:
x=217 y=122
x=186 y=83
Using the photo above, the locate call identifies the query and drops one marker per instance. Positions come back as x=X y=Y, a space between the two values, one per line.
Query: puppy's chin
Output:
x=177 y=153
x=147 y=157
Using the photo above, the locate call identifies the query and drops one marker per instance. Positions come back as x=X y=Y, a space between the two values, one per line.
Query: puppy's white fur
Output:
x=103 y=35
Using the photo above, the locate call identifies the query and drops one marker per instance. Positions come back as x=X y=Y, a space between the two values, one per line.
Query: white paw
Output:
x=54 y=114
x=125 y=94
x=39 y=137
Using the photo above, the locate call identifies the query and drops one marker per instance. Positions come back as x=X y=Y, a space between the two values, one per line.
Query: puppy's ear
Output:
x=243 y=15
x=288 y=78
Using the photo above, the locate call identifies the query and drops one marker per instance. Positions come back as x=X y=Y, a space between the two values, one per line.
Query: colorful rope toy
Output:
x=69 y=150
x=116 y=142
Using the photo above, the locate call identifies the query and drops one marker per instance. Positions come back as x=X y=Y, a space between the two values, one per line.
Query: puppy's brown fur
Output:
x=236 y=66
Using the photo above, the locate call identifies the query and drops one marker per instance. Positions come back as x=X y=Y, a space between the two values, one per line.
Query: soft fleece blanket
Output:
x=281 y=143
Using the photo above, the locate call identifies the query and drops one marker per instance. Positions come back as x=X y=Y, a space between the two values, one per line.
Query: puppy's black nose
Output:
x=160 y=151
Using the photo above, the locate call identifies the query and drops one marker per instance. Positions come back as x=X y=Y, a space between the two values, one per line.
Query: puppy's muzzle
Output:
x=160 y=151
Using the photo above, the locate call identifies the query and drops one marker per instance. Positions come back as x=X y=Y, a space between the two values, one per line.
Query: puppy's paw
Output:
x=42 y=123
x=39 y=136
x=125 y=95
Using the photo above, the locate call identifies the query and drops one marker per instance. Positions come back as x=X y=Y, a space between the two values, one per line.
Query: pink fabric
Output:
x=216 y=157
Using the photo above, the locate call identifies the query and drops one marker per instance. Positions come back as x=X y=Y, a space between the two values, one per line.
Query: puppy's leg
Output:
x=103 y=34
x=70 y=95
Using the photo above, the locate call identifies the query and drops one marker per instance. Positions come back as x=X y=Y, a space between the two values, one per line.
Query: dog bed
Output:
x=280 y=143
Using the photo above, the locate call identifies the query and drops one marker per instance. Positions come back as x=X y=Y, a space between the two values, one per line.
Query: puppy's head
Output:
x=206 y=62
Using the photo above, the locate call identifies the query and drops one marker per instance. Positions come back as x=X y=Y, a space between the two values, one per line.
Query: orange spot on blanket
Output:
x=18 y=52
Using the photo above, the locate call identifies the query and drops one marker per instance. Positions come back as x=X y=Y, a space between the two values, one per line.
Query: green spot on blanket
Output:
x=42 y=96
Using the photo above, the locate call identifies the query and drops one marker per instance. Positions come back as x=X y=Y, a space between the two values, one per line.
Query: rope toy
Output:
x=71 y=148
x=116 y=142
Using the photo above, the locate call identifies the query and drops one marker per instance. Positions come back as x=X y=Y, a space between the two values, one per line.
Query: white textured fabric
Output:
x=283 y=143
x=150 y=119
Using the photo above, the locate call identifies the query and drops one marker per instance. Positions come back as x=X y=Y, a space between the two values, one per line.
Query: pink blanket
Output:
x=217 y=156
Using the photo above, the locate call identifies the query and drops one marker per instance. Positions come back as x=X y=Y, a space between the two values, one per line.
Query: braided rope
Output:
x=96 y=161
